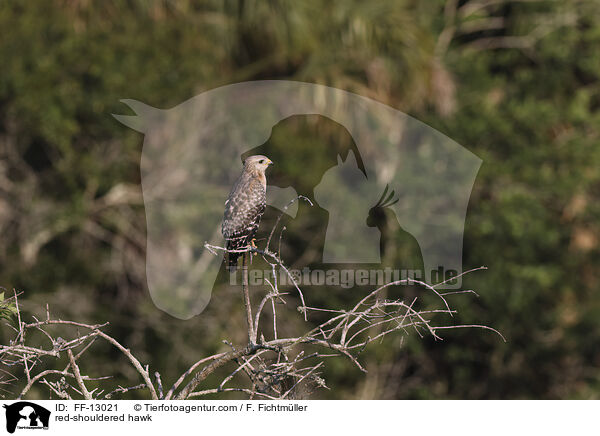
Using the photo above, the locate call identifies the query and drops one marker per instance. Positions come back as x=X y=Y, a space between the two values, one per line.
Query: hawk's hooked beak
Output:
x=269 y=162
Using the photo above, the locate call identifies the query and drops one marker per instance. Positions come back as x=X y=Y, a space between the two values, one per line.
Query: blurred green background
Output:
x=515 y=82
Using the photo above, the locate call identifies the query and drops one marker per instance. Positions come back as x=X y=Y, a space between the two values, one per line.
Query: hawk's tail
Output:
x=231 y=256
x=232 y=261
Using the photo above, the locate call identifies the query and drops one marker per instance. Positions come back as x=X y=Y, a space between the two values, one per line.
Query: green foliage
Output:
x=7 y=307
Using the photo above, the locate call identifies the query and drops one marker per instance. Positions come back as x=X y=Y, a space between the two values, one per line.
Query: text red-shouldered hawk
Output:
x=244 y=206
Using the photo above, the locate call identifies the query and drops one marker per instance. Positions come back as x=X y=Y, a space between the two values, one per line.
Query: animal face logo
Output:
x=191 y=157
x=25 y=414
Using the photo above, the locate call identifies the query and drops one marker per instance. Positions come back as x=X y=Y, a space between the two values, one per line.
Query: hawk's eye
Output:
x=261 y=161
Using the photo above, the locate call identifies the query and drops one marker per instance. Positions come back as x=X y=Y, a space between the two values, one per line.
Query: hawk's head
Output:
x=257 y=163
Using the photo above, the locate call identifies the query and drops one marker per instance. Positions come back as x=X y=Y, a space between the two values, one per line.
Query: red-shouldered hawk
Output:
x=244 y=206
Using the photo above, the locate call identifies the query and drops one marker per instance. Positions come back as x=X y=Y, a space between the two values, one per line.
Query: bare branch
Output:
x=271 y=365
x=77 y=375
